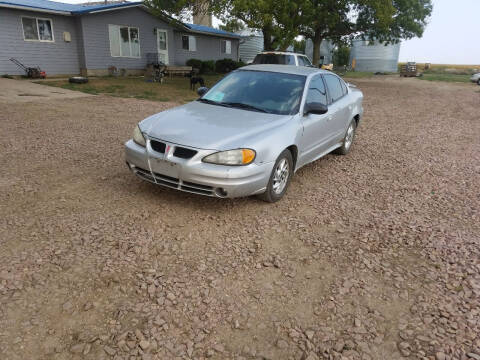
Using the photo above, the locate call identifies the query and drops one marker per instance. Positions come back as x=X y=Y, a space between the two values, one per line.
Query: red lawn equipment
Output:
x=31 y=72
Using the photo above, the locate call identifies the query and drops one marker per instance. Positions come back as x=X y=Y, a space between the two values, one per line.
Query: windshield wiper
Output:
x=207 y=101
x=212 y=102
x=245 y=106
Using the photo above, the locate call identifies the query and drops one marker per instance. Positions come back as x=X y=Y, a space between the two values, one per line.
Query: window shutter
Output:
x=192 y=43
x=114 y=35
x=228 y=47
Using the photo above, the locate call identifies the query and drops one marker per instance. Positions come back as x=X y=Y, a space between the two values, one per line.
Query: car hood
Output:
x=207 y=126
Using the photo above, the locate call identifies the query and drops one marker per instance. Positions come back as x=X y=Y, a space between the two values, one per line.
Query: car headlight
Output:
x=138 y=136
x=231 y=157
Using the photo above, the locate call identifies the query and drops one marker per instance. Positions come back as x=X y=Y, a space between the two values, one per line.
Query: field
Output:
x=370 y=256
x=447 y=72
x=448 y=68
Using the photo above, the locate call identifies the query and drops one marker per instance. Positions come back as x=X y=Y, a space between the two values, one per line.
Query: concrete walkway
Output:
x=13 y=91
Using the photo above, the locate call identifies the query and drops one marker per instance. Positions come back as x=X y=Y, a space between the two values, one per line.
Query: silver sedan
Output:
x=249 y=133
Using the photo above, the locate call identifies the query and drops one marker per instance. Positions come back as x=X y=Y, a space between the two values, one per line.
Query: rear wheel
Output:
x=280 y=178
x=348 y=139
x=478 y=81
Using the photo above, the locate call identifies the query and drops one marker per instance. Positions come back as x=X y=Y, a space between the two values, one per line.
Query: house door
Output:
x=162 y=46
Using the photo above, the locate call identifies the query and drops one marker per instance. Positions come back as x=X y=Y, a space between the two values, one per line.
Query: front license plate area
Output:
x=165 y=167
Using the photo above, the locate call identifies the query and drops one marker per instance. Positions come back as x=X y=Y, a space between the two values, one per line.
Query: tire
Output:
x=78 y=80
x=348 y=139
x=478 y=81
x=279 y=180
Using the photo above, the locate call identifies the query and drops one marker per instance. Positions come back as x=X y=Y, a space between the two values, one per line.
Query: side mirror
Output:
x=315 y=108
x=202 y=90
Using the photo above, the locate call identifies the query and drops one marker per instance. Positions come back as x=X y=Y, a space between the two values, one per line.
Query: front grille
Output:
x=144 y=174
x=184 y=153
x=205 y=187
x=174 y=183
x=158 y=146
x=180 y=152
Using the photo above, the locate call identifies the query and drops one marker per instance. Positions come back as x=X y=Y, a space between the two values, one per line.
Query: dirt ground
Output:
x=373 y=255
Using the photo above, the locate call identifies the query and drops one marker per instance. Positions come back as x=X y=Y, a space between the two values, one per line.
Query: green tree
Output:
x=385 y=20
x=232 y=25
x=277 y=19
x=341 y=55
x=299 y=46
x=272 y=17
x=178 y=8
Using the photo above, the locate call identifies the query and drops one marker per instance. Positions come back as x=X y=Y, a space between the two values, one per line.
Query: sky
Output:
x=452 y=35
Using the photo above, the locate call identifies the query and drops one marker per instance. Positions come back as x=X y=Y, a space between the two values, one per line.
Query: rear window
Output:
x=276 y=59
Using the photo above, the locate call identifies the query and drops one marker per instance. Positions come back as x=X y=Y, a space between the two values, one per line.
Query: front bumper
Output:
x=193 y=175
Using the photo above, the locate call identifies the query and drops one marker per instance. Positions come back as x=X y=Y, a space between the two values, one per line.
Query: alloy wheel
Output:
x=280 y=176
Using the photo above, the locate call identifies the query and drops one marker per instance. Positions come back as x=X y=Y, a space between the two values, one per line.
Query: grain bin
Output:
x=326 y=50
x=373 y=56
x=250 y=45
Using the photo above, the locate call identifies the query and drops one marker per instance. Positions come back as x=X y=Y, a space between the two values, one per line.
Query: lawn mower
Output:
x=31 y=72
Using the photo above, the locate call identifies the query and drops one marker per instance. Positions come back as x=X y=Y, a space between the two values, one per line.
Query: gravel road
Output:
x=373 y=255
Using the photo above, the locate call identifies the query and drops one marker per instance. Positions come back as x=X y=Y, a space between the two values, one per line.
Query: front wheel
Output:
x=280 y=178
x=348 y=139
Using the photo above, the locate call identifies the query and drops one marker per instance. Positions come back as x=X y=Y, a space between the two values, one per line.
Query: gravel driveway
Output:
x=374 y=255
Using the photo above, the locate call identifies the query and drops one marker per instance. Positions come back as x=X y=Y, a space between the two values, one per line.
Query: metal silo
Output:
x=250 y=45
x=373 y=56
x=326 y=50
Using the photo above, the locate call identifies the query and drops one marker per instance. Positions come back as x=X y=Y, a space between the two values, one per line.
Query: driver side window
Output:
x=316 y=91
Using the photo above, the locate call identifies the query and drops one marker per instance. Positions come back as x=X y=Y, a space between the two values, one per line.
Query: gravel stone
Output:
x=377 y=245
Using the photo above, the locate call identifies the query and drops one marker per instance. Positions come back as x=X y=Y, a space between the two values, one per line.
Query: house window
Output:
x=226 y=47
x=189 y=43
x=37 y=29
x=124 y=41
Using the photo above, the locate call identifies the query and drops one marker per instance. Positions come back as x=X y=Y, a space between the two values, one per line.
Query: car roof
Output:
x=282 y=53
x=287 y=69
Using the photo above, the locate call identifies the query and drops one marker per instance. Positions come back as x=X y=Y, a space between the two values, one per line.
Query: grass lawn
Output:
x=175 y=89
x=445 y=77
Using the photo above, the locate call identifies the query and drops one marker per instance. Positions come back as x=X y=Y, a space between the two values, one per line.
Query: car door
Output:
x=315 y=136
x=338 y=108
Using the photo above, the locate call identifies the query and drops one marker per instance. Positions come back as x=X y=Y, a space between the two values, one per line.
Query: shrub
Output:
x=211 y=66
x=208 y=67
x=241 y=63
x=195 y=63
x=227 y=65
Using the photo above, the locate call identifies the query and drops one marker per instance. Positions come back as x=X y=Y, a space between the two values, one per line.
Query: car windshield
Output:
x=276 y=59
x=270 y=92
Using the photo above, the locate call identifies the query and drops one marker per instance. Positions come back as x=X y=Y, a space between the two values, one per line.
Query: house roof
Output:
x=82 y=9
x=209 y=30
x=62 y=8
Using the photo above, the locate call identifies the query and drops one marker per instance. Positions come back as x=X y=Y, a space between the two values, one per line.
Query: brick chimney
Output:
x=200 y=13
